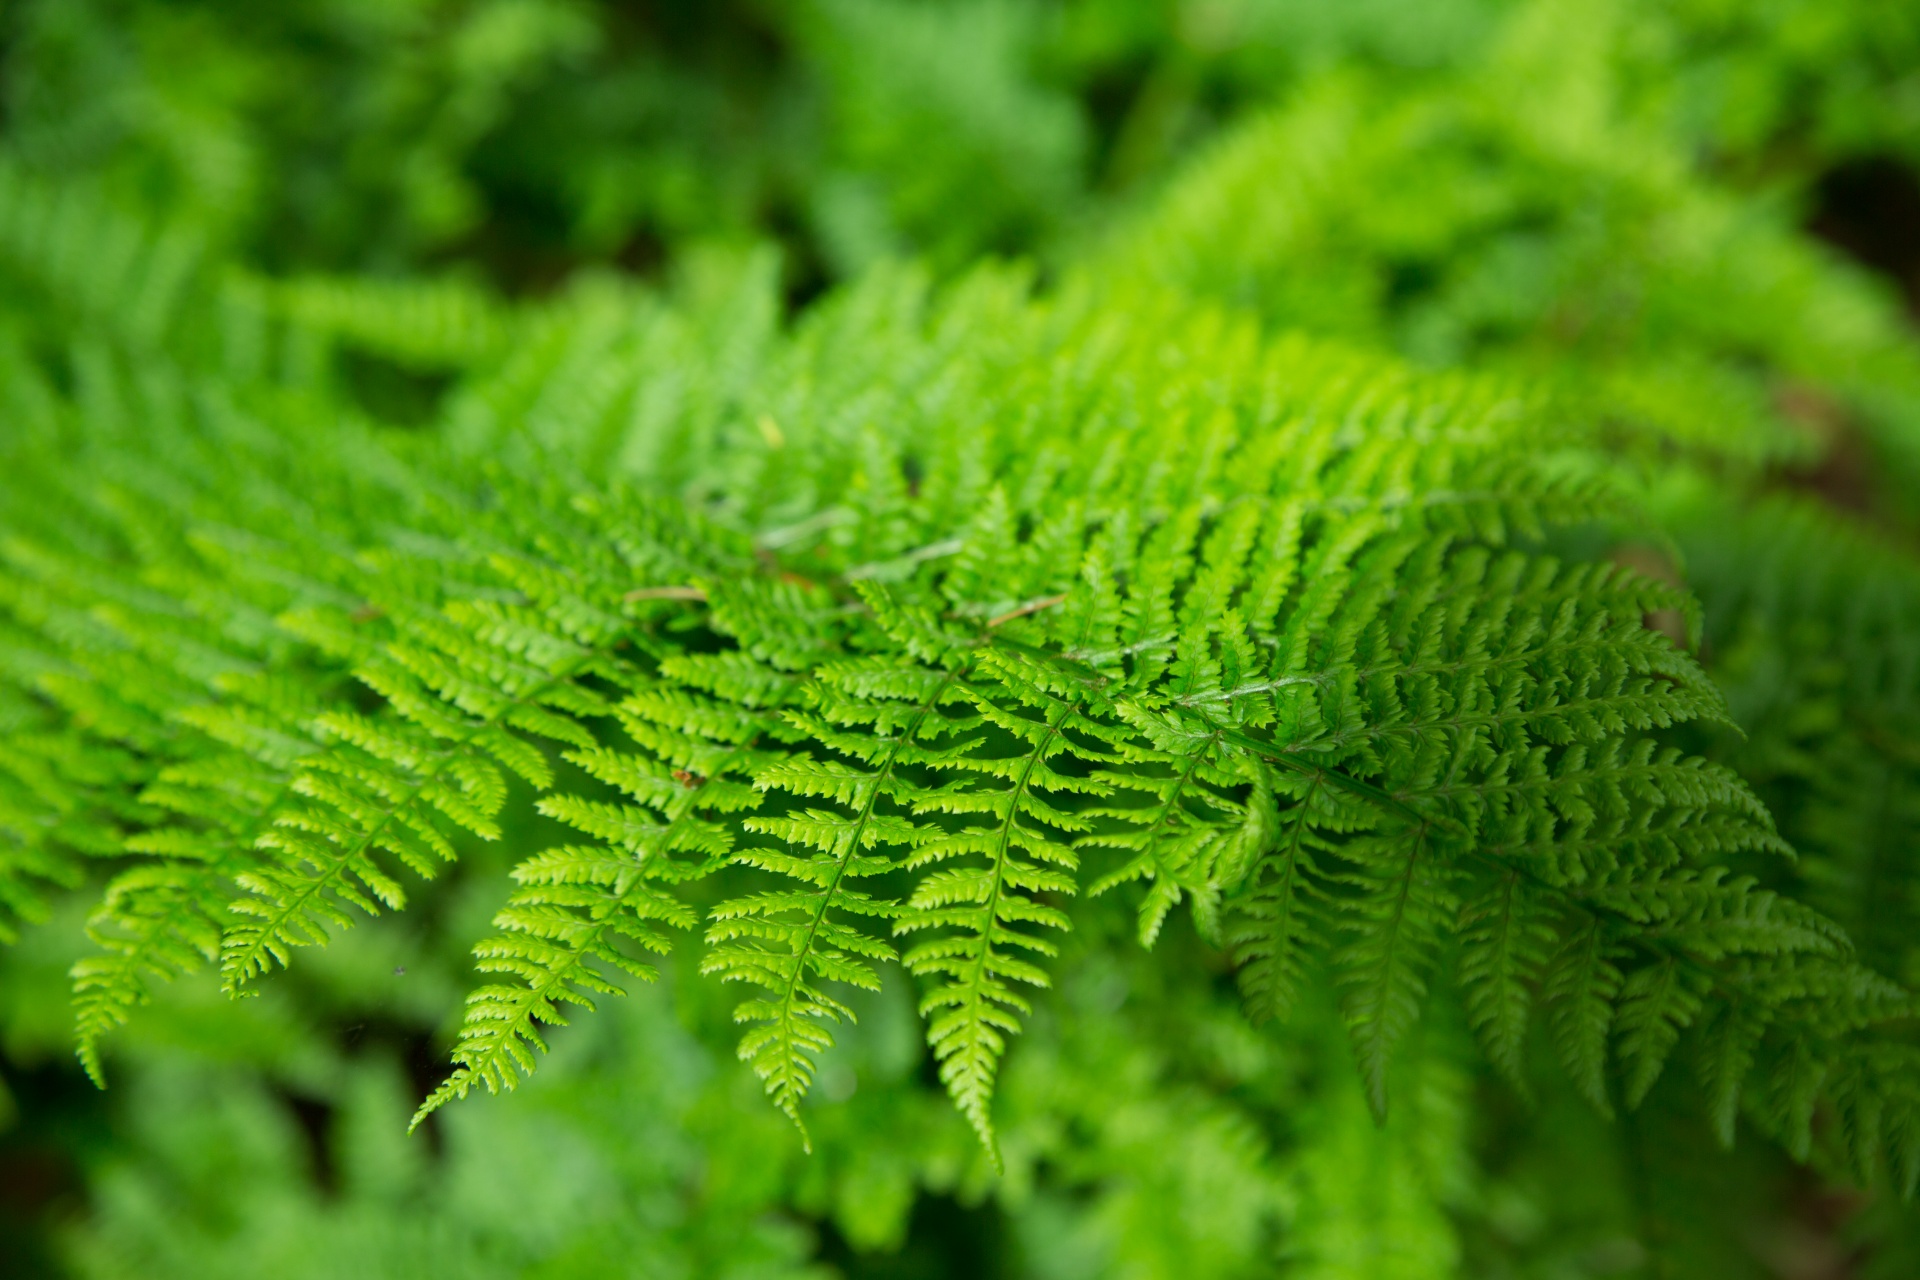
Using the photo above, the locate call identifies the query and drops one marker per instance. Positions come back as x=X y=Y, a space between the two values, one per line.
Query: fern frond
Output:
x=1395 y=911
x=471 y=683
x=880 y=718
x=951 y=586
x=1277 y=924
x=1011 y=860
x=1503 y=943
x=62 y=799
x=575 y=904
x=1582 y=984
x=130 y=279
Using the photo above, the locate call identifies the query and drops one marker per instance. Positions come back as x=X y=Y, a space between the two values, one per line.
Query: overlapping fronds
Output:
x=903 y=625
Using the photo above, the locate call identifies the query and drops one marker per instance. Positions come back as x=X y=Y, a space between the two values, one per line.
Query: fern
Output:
x=575 y=902
x=1338 y=712
x=980 y=908
x=787 y=941
x=900 y=624
x=1408 y=715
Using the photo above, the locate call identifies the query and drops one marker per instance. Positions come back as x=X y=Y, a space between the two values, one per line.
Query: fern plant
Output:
x=1798 y=360
x=1020 y=669
x=1311 y=682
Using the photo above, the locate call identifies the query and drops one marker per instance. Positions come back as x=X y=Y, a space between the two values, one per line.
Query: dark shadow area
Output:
x=59 y=1117
x=315 y=1117
x=424 y=1061
x=944 y=1239
x=1871 y=209
x=389 y=392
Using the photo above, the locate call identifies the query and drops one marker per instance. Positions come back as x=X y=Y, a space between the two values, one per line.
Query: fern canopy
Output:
x=1395 y=625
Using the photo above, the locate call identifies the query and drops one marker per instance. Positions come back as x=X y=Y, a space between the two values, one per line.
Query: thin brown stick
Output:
x=1031 y=606
x=665 y=593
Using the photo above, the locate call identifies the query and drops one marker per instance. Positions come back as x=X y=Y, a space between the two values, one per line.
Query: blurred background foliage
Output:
x=1699 y=219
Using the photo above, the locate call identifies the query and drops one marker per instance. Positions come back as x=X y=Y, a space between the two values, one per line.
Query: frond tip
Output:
x=574 y=907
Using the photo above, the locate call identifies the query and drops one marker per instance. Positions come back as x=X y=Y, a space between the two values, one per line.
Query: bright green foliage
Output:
x=786 y=941
x=1589 y=259
x=1443 y=536
x=1326 y=594
x=1792 y=345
